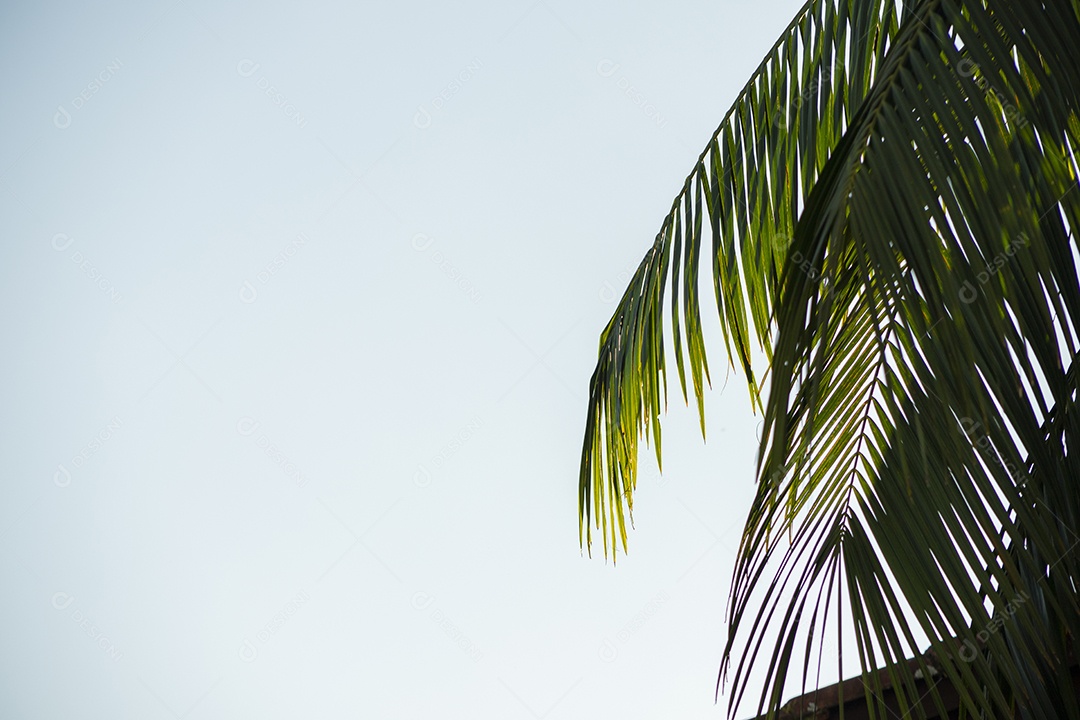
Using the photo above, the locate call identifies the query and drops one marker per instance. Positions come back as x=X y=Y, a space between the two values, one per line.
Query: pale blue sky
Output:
x=302 y=304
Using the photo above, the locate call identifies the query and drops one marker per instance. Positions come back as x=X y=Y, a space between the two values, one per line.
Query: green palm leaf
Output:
x=892 y=204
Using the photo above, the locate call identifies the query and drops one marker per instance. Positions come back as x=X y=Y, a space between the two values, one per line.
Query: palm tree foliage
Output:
x=892 y=209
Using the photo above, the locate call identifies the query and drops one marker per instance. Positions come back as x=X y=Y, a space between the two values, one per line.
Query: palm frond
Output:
x=918 y=457
x=746 y=191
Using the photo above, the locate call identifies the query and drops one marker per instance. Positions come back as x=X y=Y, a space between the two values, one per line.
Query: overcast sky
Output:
x=301 y=304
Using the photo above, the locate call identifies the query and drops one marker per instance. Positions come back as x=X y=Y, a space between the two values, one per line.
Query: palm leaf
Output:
x=749 y=184
x=922 y=329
